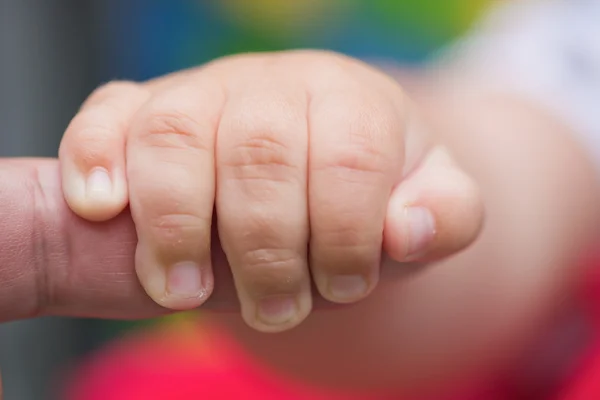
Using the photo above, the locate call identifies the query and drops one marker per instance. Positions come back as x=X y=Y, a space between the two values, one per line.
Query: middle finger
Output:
x=261 y=152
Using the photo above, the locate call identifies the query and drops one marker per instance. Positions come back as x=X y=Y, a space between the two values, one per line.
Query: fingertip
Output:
x=274 y=314
x=92 y=151
x=409 y=231
x=182 y=286
x=96 y=195
x=434 y=213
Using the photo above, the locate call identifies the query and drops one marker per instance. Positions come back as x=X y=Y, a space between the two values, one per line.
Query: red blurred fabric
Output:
x=194 y=360
x=584 y=384
x=185 y=361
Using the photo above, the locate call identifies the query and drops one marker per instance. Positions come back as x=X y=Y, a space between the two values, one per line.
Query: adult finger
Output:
x=53 y=262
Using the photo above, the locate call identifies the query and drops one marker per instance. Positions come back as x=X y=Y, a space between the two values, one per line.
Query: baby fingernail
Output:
x=347 y=288
x=184 y=280
x=277 y=310
x=420 y=229
x=98 y=184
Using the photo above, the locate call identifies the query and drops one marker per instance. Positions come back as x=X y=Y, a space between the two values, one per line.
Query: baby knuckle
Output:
x=272 y=269
x=113 y=89
x=358 y=159
x=172 y=128
x=262 y=155
x=179 y=230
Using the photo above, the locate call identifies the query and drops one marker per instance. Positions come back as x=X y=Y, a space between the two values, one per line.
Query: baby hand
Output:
x=313 y=162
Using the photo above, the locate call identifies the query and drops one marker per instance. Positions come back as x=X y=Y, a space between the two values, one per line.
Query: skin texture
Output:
x=312 y=163
x=469 y=315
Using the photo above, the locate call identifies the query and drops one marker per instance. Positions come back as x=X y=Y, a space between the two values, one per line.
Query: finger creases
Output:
x=261 y=201
x=92 y=151
x=356 y=155
x=171 y=170
x=434 y=212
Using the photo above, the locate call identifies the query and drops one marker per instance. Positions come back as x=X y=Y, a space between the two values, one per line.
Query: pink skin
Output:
x=313 y=163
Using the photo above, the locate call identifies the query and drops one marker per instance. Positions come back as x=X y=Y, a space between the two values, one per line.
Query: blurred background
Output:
x=53 y=53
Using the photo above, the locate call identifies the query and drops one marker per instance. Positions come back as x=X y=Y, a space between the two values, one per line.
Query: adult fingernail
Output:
x=99 y=184
x=420 y=229
x=184 y=280
x=347 y=288
x=277 y=310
